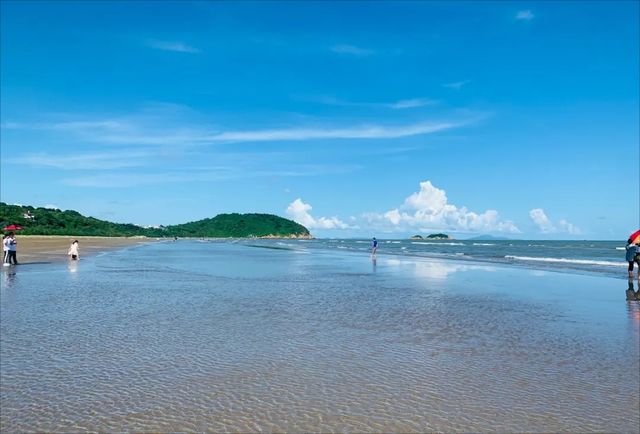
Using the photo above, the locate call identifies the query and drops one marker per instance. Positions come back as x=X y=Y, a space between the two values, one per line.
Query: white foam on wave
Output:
x=437 y=244
x=280 y=243
x=483 y=244
x=567 y=261
x=621 y=248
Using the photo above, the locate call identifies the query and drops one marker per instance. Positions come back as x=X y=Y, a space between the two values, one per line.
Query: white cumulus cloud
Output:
x=546 y=226
x=430 y=208
x=570 y=228
x=300 y=213
x=541 y=220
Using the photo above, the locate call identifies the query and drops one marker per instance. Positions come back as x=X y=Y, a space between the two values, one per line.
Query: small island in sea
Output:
x=432 y=237
x=49 y=221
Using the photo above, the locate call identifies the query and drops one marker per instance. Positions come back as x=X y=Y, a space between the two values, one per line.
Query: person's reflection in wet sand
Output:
x=73 y=267
x=8 y=278
x=374 y=262
x=633 y=303
x=632 y=294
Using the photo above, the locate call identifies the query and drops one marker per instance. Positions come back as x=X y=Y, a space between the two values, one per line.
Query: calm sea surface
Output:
x=602 y=257
x=280 y=336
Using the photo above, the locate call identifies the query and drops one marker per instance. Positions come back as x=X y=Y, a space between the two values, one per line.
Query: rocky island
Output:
x=432 y=237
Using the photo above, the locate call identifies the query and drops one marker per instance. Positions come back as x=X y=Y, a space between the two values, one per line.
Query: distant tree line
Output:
x=48 y=221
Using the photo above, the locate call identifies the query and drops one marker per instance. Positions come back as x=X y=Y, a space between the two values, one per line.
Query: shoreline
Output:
x=53 y=248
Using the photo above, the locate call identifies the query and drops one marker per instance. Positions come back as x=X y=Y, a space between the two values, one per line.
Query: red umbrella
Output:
x=635 y=237
x=12 y=228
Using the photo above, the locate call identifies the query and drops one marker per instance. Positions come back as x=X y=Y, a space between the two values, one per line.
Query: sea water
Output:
x=210 y=336
x=603 y=257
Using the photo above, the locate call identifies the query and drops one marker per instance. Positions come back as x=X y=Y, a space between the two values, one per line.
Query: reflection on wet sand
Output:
x=633 y=302
x=432 y=269
x=632 y=294
x=73 y=266
x=223 y=338
x=8 y=277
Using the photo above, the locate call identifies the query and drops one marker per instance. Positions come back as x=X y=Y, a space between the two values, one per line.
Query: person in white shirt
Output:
x=6 y=239
x=13 y=249
x=73 y=251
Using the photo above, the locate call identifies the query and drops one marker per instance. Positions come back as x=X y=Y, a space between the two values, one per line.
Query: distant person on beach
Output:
x=13 y=249
x=632 y=257
x=5 y=249
x=374 y=247
x=73 y=251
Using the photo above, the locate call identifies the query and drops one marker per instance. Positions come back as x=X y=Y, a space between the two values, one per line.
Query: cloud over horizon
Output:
x=546 y=226
x=429 y=209
x=299 y=212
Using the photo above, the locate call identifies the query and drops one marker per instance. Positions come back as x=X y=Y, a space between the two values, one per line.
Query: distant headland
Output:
x=432 y=237
x=47 y=221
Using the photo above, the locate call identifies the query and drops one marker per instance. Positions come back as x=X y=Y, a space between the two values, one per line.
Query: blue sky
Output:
x=369 y=118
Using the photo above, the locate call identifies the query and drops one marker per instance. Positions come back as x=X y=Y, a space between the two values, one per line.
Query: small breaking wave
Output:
x=437 y=244
x=567 y=261
x=483 y=244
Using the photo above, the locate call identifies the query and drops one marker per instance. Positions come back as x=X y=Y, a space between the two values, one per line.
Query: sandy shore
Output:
x=36 y=248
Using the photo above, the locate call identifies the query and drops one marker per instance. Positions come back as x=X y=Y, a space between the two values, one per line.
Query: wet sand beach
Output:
x=203 y=336
x=41 y=248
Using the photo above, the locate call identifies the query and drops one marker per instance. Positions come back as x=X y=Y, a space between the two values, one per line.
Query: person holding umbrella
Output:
x=11 y=244
x=633 y=253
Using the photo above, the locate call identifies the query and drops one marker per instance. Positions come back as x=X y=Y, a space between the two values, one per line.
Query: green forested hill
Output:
x=46 y=221
x=239 y=225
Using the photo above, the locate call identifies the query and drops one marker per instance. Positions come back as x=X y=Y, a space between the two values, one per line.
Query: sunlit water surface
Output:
x=191 y=335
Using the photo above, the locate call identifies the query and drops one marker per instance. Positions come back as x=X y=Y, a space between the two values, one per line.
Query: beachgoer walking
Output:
x=73 y=251
x=632 y=257
x=374 y=247
x=13 y=249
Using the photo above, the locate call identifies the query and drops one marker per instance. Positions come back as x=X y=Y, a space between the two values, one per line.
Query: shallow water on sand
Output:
x=209 y=336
